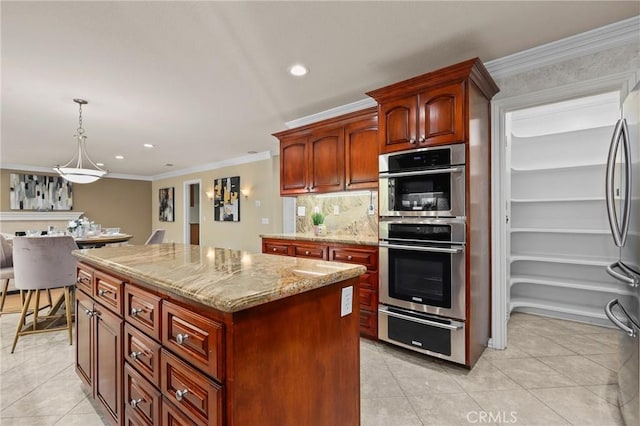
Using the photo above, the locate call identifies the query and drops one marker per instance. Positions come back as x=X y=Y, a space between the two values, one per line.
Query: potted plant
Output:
x=318 y=223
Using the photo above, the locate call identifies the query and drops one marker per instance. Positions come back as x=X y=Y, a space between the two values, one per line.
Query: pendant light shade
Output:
x=74 y=171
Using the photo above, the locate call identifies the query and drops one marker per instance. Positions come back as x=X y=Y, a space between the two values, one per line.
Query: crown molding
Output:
x=332 y=112
x=21 y=215
x=264 y=155
x=592 y=41
x=50 y=171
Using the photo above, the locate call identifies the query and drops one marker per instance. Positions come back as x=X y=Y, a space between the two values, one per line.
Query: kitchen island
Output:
x=179 y=334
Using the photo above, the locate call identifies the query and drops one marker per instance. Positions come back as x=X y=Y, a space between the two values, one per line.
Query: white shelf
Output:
x=602 y=288
x=523 y=302
x=557 y=200
x=561 y=259
x=562 y=231
x=567 y=167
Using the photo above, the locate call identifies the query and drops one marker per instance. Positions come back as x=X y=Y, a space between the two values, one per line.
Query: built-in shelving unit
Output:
x=559 y=235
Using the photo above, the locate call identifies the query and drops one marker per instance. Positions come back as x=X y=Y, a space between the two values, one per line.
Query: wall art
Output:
x=226 y=201
x=166 y=204
x=40 y=192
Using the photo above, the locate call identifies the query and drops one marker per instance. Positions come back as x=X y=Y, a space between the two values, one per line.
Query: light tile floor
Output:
x=553 y=373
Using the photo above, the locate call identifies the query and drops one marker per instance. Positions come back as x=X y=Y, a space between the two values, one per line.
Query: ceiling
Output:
x=206 y=82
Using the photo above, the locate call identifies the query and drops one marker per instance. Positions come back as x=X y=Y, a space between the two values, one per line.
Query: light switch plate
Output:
x=302 y=211
x=258 y=203
x=346 y=304
x=336 y=209
x=265 y=220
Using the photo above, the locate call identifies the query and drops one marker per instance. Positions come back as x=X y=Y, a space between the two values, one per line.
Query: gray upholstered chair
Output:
x=156 y=237
x=6 y=269
x=41 y=263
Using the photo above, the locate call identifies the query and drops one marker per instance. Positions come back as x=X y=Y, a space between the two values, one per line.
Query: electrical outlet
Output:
x=265 y=220
x=346 y=301
x=336 y=209
x=371 y=210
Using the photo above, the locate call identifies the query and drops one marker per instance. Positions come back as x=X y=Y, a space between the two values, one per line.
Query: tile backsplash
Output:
x=352 y=216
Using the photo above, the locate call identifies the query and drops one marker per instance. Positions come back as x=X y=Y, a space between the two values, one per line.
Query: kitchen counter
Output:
x=223 y=279
x=341 y=239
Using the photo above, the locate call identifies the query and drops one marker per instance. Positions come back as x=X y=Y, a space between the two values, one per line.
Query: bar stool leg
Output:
x=67 y=305
x=35 y=311
x=5 y=287
x=25 y=307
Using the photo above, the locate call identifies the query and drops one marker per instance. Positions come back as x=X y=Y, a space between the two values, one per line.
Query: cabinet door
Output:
x=84 y=338
x=398 y=126
x=108 y=361
x=442 y=115
x=326 y=163
x=294 y=157
x=361 y=154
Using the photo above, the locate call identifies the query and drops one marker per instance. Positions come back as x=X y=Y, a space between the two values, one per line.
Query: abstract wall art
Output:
x=226 y=201
x=166 y=204
x=39 y=192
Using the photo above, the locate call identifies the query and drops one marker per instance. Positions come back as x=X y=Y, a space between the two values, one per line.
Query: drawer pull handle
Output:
x=102 y=292
x=181 y=394
x=135 y=311
x=89 y=313
x=135 y=355
x=134 y=402
x=81 y=280
x=181 y=338
x=306 y=253
x=349 y=257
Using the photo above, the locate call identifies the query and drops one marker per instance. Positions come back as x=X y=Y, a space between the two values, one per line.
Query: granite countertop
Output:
x=224 y=279
x=342 y=239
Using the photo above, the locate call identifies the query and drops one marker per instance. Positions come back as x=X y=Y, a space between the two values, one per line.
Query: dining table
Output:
x=95 y=241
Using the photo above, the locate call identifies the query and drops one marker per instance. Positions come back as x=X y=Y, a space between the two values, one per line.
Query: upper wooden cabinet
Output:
x=430 y=109
x=333 y=155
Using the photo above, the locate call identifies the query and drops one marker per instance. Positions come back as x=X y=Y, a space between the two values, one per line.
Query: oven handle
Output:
x=457 y=326
x=423 y=172
x=457 y=249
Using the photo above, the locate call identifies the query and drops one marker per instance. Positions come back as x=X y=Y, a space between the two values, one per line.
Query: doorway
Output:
x=192 y=212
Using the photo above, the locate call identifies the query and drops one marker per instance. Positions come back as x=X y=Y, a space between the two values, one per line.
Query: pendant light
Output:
x=80 y=174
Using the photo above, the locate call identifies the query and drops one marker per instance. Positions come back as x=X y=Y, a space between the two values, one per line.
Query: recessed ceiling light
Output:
x=100 y=164
x=148 y=145
x=298 y=70
x=168 y=165
x=252 y=152
x=119 y=157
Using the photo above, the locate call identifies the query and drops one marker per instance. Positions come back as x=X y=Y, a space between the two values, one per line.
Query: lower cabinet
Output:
x=347 y=253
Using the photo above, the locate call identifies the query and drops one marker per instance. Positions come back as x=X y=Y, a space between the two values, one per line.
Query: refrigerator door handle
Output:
x=626 y=276
x=609 y=185
x=608 y=310
x=628 y=182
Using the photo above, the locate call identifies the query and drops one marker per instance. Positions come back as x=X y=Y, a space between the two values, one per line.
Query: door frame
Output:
x=186 y=232
x=500 y=194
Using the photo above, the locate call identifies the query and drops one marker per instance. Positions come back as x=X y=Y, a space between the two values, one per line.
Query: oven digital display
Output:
x=405 y=231
x=420 y=160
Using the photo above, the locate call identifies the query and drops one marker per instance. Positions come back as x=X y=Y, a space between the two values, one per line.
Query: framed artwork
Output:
x=166 y=204
x=226 y=201
x=40 y=192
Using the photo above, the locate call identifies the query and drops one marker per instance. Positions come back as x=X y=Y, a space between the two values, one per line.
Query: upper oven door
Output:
x=428 y=182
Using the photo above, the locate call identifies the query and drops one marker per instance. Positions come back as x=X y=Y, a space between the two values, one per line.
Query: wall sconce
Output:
x=245 y=192
x=209 y=195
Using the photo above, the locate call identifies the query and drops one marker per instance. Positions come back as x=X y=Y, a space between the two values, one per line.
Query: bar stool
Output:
x=6 y=269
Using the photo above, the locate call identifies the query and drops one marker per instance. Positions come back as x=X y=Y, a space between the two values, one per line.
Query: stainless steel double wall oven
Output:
x=423 y=250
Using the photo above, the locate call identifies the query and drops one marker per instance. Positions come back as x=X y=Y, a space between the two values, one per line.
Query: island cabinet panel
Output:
x=142 y=309
x=333 y=155
x=84 y=338
x=361 y=255
x=197 y=396
x=141 y=398
x=195 y=338
x=143 y=353
x=108 y=362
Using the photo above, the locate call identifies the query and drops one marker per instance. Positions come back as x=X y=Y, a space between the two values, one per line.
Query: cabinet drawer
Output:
x=369 y=280
x=369 y=324
x=141 y=397
x=143 y=353
x=368 y=258
x=274 y=247
x=171 y=416
x=142 y=309
x=197 y=339
x=84 y=279
x=195 y=394
x=132 y=418
x=311 y=250
x=108 y=291
x=368 y=299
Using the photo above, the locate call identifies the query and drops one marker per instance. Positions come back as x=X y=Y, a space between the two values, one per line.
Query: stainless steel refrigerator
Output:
x=623 y=208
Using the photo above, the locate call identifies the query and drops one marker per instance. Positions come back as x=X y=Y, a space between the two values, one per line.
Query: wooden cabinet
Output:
x=361 y=255
x=431 y=109
x=332 y=155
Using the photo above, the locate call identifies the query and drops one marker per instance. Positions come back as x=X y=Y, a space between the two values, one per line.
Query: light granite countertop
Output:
x=224 y=279
x=341 y=239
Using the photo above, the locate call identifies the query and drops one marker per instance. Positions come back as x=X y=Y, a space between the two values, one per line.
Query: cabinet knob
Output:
x=80 y=280
x=275 y=249
x=421 y=139
x=134 y=402
x=135 y=355
x=102 y=292
x=181 y=338
x=135 y=311
x=412 y=141
x=306 y=252
x=181 y=394
x=89 y=313
x=349 y=257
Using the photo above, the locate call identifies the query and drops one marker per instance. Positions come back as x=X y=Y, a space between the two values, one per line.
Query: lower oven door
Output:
x=440 y=337
x=424 y=278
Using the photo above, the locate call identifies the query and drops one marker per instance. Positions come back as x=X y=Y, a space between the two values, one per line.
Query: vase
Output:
x=320 y=230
